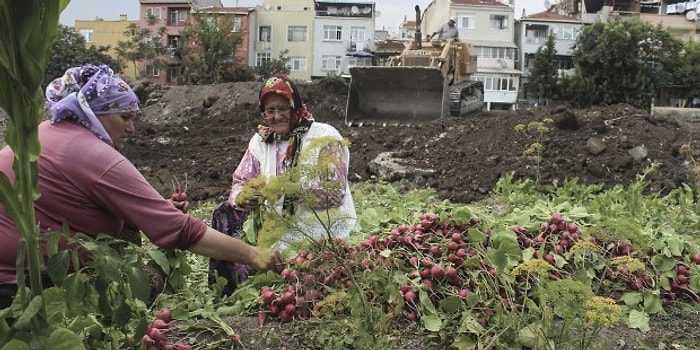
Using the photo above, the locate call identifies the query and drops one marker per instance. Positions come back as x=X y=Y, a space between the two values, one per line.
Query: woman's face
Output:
x=278 y=114
x=118 y=126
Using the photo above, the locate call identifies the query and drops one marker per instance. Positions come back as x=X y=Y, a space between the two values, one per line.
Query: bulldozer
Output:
x=428 y=80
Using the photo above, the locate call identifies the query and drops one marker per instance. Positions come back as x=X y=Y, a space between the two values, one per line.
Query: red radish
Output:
x=411 y=316
x=682 y=270
x=457 y=237
x=146 y=339
x=549 y=258
x=452 y=246
x=274 y=310
x=682 y=279
x=179 y=196
x=268 y=297
x=435 y=250
x=437 y=271
x=696 y=258
x=463 y=293
x=410 y=296
x=451 y=272
x=157 y=335
x=262 y=316
x=290 y=309
x=165 y=315
x=159 y=323
x=404 y=288
x=236 y=338
x=428 y=283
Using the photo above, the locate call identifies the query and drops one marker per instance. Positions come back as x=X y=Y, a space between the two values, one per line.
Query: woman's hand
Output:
x=250 y=202
x=183 y=206
x=268 y=259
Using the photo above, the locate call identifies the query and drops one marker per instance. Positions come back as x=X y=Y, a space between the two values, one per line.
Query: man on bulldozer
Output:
x=446 y=31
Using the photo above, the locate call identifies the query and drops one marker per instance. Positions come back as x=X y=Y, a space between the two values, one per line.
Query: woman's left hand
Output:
x=183 y=206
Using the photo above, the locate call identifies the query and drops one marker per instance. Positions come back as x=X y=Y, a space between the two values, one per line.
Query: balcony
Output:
x=359 y=45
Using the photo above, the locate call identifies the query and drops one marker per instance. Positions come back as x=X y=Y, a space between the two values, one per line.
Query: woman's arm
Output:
x=247 y=169
x=219 y=246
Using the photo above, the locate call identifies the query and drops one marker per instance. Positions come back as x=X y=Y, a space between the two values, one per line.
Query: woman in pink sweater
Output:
x=87 y=185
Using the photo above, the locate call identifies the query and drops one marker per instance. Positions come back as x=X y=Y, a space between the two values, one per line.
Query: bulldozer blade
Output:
x=396 y=95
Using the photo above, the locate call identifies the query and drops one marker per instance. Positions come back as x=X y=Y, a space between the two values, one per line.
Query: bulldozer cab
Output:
x=427 y=81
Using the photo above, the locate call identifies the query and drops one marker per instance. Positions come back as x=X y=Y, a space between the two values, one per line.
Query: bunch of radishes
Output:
x=436 y=255
x=179 y=193
x=156 y=337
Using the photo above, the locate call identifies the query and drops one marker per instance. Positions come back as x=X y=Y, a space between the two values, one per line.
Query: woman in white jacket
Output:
x=291 y=139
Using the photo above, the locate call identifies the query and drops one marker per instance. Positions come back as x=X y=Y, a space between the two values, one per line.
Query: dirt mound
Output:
x=199 y=133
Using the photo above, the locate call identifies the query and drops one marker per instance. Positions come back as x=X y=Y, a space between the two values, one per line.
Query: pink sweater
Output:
x=92 y=188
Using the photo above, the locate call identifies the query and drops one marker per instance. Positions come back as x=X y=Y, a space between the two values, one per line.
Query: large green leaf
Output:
x=64 y=339
x=639 y=320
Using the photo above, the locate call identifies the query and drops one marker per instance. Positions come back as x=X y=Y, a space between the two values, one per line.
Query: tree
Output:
x=275 y=65
x=688 y=72
x=622 y=62
x=208 y=46
x=544 y=74
x=142 y=45
x=69 y=50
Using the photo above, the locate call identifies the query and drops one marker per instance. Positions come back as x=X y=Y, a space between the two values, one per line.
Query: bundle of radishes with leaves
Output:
x=450 y=268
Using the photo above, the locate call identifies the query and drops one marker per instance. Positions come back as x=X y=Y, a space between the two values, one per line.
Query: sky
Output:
x=390 y=12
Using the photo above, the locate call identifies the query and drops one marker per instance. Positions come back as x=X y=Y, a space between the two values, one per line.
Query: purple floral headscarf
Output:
x=85 y=92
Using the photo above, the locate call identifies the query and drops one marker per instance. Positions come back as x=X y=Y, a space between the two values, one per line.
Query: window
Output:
x=498 y=22
x=153 y=13
x=175 y=74
x=565 y=33
x=296 y=33
x=497 y=83
x=297 y=63
x=178 y=17
x=334 y=33
x=237 y=24
x=262 y=58
x=264 y=33
x=330 y=62
x=359 y=61
x=357 y=34
x=151 y=70
x=496 y=52
x=87 y=35
x=173 y=41
x=173 y=44
x=466 y=21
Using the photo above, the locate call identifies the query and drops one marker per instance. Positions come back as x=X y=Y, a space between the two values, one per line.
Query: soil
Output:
x=195 y=135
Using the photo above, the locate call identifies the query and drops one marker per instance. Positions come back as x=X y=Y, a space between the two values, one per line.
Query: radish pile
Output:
x=442 y=260
x=156 y=337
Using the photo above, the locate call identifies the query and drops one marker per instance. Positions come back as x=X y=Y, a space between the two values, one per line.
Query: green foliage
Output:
x=27 y=29
x=274 y=65
x=544 y=73
x=70 y=50
x=142 y=44
x=623 y=61
x=207 y=48
x=687 y=71
x=536 y=130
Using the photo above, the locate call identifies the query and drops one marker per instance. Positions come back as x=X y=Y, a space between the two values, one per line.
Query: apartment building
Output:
x=99 y=32
x=174 y=16
x=344 y=32
x=531 y=33
x=286 y=25
x=488 y=27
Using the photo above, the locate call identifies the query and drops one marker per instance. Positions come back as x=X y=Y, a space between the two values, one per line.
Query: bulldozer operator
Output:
x=446 y=31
